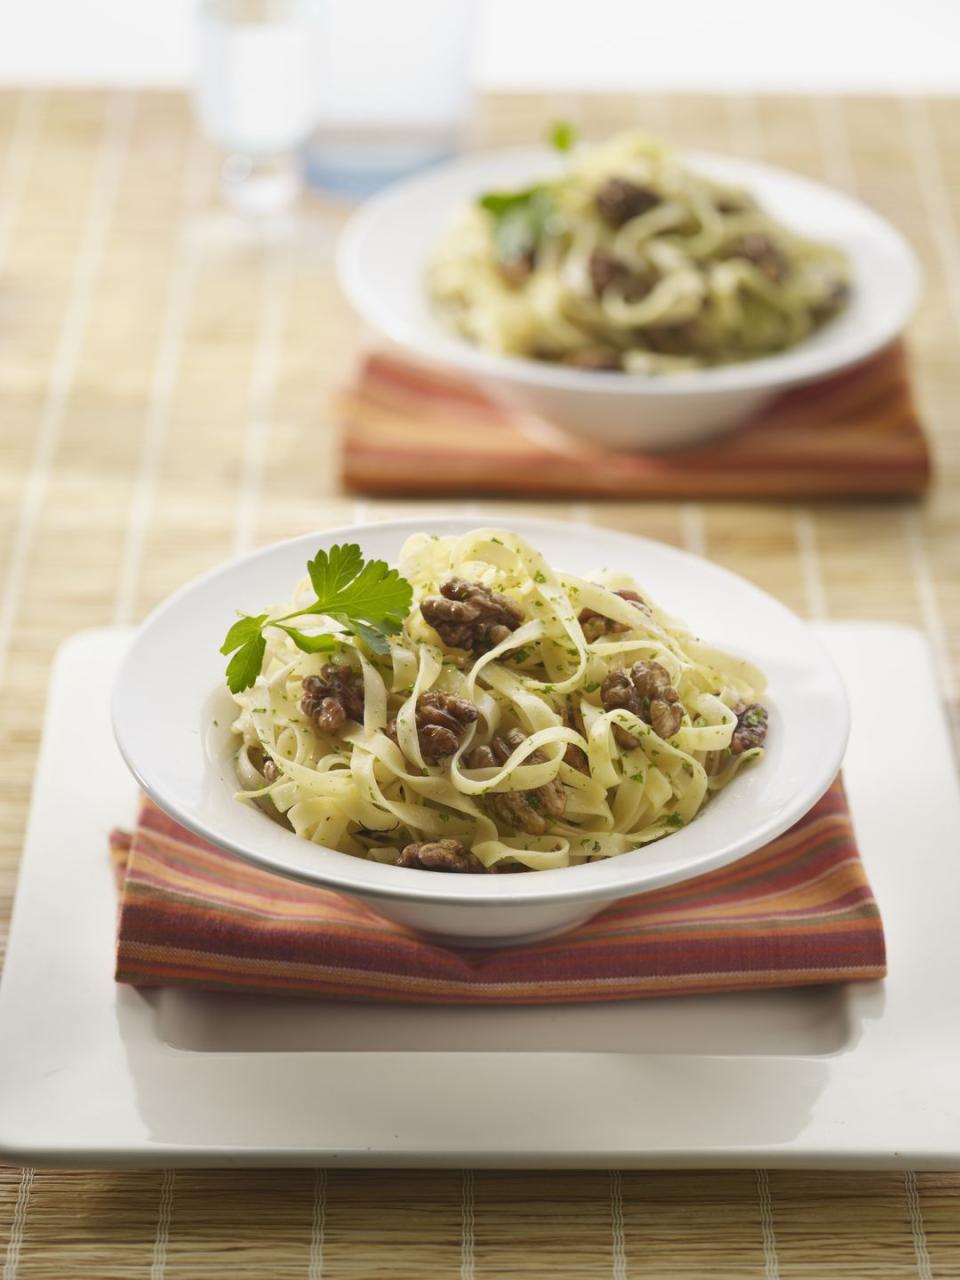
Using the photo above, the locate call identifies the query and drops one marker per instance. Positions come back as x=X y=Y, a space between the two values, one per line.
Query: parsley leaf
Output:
x=331 y=572
x=367 y=598
x=673 y=821
x=243 y=630
x=562 y=135
x=309 y=644
x=347 y=588
x=244 y=667
x=373 y=638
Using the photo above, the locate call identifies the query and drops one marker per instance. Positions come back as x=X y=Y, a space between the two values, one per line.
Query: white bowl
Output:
x=384 y=249
x=172 y=712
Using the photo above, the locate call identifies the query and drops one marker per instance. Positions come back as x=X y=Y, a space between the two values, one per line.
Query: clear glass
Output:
x=394 y=89
x=256 y=94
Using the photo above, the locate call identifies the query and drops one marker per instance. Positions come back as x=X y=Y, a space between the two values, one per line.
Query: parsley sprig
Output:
x=367 y=598
x=519 y=219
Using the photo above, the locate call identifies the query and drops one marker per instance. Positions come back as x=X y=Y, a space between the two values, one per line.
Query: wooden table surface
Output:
x=165 y=387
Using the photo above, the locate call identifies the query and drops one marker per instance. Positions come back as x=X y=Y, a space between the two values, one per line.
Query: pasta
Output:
x=528 y=744
x=632 y=262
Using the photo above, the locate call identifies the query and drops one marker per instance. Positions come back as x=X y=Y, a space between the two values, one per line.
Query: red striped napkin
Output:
x=798 y=911
x=410 y=431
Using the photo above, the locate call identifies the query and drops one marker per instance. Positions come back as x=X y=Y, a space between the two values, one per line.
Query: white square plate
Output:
x=860 y=1075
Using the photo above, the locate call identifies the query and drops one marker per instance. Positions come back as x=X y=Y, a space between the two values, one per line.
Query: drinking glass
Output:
x=393 y=89
x=256 y=94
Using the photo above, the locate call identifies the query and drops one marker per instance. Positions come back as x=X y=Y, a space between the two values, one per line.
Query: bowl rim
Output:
x=802 y=363
x=609 y=878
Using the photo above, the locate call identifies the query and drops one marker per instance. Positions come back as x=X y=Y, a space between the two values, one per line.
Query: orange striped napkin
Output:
x=409 y=431
x=798 y=911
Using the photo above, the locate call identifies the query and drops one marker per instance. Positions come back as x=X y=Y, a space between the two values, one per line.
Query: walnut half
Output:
x=646 y=691
x=442 y=720
x=619 y=200
x=333 y=697
x=594 y=624
x=468 y=615
x=439 y=855
x=529 y=811
x=751 y=730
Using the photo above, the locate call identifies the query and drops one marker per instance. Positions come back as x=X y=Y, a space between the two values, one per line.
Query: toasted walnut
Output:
x=601 y=359
x=263 y=764
x=751 y=730
x=442 y=720
x=439 y=855
x=595 y=624
x=527 y=810
x=575 y=756
x=646 y=691
x=606 y=269
x=762 y=252
x=468 y=615
x=618 y=201
x=838 y=296
x=674 y=339
x=731 y=202
x=519 y=267
x=333 y=697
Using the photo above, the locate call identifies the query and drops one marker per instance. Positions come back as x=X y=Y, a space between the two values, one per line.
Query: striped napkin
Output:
x=798 y=911
x=409 y=431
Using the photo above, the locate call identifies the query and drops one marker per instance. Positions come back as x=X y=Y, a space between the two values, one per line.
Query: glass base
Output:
x=260 y=186
x=355 y=170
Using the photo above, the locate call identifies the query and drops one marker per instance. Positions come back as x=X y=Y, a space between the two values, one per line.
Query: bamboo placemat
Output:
x=165 y=400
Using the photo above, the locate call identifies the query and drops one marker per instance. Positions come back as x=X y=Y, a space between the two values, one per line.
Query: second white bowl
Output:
x=385 y=247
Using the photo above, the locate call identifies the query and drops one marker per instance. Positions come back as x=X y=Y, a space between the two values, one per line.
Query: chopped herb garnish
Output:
x=539 y=577
x=673 y=820
x=591 y=686
x=636 y=777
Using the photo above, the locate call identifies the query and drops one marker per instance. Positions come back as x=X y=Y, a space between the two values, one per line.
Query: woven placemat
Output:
x=410 y=430
x=164 y=402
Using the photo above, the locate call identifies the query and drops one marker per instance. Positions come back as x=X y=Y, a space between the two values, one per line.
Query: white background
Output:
x=858 y=45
